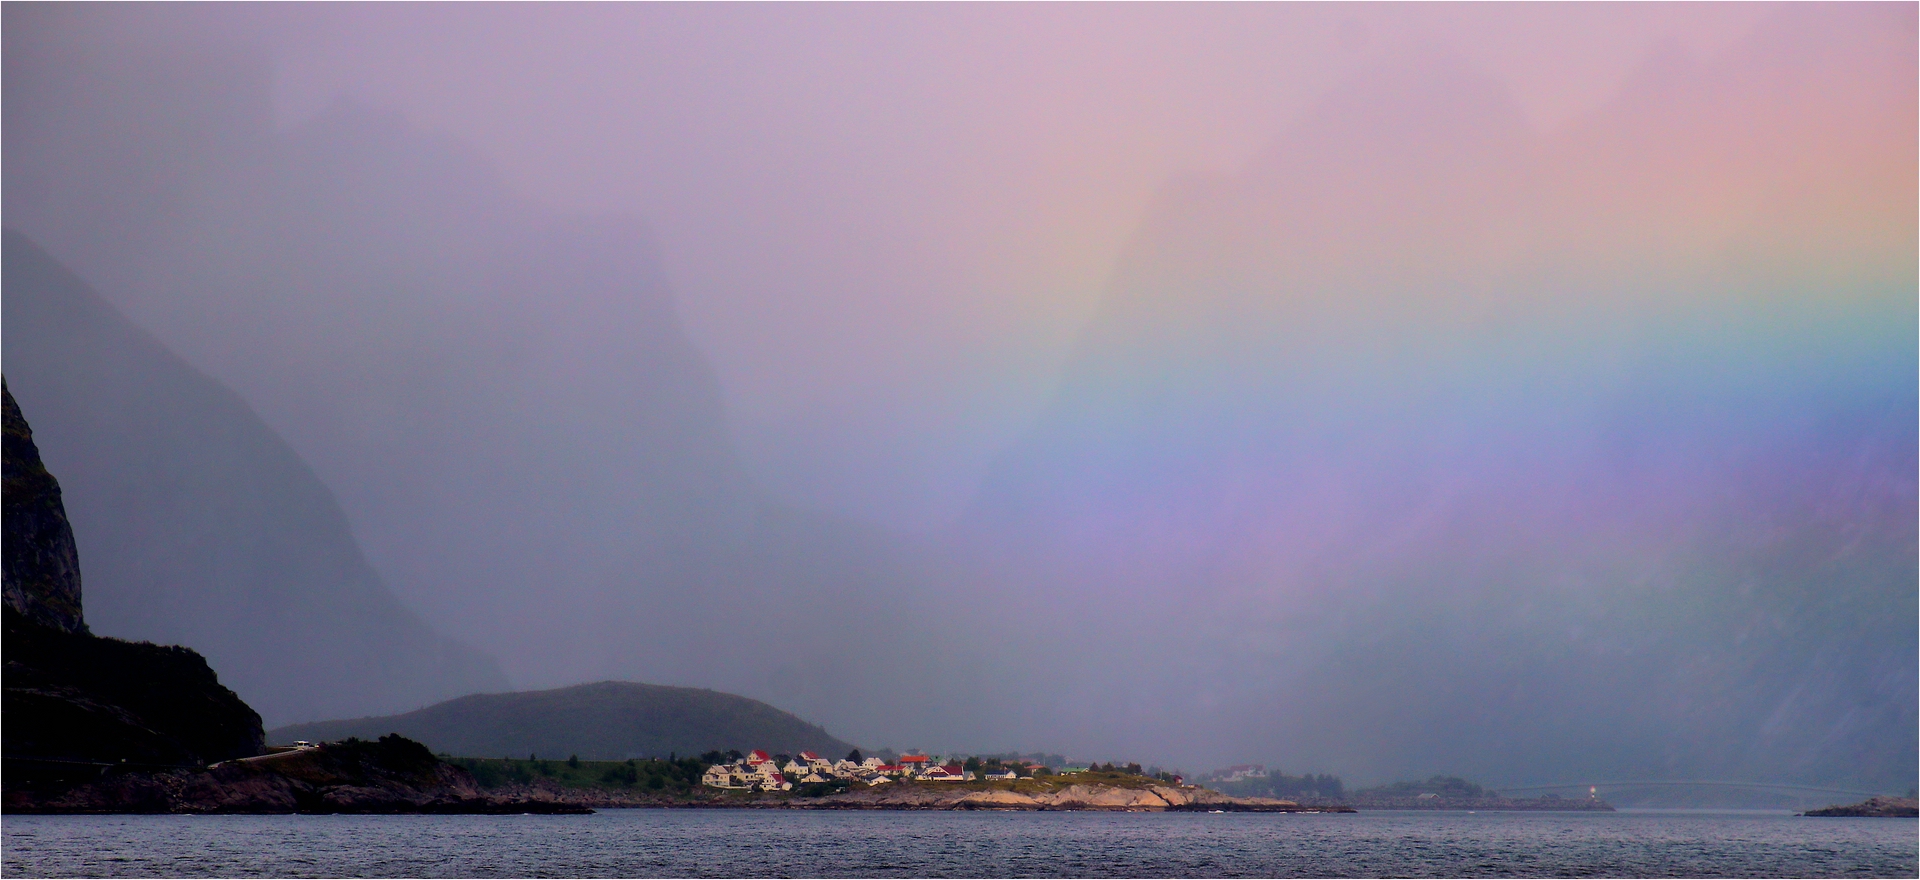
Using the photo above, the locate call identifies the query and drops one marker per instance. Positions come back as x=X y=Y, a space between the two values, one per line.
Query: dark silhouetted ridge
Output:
x=605 y=721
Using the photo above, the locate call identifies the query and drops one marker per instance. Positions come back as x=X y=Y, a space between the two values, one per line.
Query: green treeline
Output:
x=1279 y=785
x=672 y=775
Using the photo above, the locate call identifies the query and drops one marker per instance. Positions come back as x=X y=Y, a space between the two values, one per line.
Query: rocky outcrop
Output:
x=42 y=568
x=1092 y=796
x=74 y=698
x=390 y=775
x=1873 y=808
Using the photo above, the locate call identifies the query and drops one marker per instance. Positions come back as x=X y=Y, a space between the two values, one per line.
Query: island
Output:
x=1883 y=807
x=913 y=782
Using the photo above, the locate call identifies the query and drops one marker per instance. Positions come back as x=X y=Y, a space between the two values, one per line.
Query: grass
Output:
x=643 y=775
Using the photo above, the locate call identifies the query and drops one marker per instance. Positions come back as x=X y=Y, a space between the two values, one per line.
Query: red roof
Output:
x=889 y=768
x=955 y=769
x=758 y=757
x=809 y=756
x=913 y=759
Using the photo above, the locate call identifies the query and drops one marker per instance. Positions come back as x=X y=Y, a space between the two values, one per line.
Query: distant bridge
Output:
x=1639 y=783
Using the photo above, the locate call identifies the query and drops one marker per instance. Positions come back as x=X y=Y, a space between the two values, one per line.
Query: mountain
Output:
x=199 y=525
x=42 y=567
x=605 y=721
x=1456 y=446
x=73 y=699
x=500 y=394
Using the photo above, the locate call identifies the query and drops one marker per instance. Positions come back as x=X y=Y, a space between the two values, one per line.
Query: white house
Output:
x=724 y=776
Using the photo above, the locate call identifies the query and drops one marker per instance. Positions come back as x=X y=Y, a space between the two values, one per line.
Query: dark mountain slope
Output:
x=74 y=700
x=199 y=525
x=42 y=567
x=606 y=721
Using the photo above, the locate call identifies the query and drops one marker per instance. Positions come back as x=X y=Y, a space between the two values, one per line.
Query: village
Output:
x=761 y=771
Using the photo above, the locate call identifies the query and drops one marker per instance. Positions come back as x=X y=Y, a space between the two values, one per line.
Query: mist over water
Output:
x=1523 y=394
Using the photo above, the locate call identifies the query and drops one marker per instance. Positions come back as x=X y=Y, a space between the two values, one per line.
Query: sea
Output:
x=782 y=843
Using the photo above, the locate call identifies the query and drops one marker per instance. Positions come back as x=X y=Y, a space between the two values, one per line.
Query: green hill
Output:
x=605 y=721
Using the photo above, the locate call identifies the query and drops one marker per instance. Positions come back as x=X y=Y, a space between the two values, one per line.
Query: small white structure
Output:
x=724 y=776
x=1002 y=775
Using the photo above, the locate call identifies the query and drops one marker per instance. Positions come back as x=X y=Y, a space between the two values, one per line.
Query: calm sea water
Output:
x=753 y=843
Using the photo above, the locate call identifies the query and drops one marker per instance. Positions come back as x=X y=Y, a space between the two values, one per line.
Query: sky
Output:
x=1411 y=377
x=940 y=188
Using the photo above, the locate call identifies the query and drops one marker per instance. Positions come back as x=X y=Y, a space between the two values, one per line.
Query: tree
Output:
x=573 y=761
x=855 y=756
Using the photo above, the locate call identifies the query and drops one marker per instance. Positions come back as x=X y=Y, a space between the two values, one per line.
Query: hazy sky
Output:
x=941 y=189
x=1385 y=388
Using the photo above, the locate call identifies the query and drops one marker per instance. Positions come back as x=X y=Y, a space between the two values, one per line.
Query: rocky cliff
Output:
x=75 y=702
x=200 y=525
x=42 y=567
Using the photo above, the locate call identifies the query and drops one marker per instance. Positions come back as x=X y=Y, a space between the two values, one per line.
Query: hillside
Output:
x=199 y=525
x=605 y=721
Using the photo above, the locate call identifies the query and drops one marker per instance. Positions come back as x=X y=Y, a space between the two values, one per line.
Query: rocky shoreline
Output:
x=1873 y=808
x=936 y=796
x=392 y=775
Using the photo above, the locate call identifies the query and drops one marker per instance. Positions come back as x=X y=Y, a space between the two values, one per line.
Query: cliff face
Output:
x=202 y=527
x=42 y=567
x=74 y=700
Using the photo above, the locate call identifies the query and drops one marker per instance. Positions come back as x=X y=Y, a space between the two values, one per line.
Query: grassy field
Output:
x=646 y=775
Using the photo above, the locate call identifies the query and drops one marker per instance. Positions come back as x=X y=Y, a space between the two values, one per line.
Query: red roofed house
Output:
x=758 y=757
